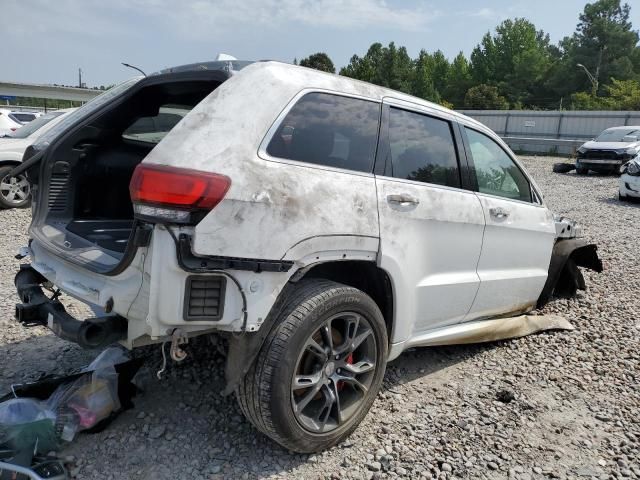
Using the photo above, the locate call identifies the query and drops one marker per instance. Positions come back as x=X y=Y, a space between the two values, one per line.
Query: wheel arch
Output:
x=364 y=275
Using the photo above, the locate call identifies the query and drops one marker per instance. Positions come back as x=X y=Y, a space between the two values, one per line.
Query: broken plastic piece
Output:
x=498 y=329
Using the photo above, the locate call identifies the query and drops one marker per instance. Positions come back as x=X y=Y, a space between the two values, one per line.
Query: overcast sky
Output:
x=45 y=41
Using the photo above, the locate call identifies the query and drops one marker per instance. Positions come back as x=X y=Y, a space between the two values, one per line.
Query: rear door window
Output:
x=422 y=148
x=497 y=174
x=330 y=130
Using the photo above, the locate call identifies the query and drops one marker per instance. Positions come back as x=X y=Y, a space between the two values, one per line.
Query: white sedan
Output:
x=630 y=180
x=15 y=191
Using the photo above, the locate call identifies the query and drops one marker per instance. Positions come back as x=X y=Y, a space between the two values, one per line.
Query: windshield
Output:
x=617 y=134
x=29 y=128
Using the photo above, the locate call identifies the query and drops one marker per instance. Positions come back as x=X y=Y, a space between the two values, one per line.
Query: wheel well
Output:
x=363 y=275
x=9 y=163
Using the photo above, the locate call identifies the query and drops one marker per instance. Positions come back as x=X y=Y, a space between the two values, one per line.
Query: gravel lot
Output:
x=575 y=412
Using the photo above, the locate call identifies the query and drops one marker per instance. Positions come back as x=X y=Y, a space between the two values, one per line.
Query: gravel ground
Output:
x=553 y=405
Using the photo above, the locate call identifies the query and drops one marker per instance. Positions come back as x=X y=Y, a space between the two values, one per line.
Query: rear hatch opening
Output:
x=84 y=211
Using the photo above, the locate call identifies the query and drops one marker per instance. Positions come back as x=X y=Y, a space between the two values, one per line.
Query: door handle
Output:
x=498 y=212
x=403 y=199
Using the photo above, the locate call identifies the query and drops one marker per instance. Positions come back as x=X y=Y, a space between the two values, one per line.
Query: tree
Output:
x=319 y=61
x=385 y=66
x=605 y=43
x=485 y=97
x=458 y=80
x=516 y=59
x=623 y=95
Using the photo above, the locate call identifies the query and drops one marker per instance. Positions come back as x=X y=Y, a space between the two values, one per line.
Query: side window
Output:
x=154 y=129
x=496 y=172
x=329 y=130
x=422 y=148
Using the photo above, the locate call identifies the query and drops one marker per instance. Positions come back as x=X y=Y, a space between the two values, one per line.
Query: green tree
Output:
x=386 y=66
x=605 y=43
x=623 y=95
x=319 y=61
x=516 y=59
x=458 y=80
x=423 y=78
x=485 y=97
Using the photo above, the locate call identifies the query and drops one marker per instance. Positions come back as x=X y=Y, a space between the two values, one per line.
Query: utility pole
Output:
x=593 y=79
x=79 y=78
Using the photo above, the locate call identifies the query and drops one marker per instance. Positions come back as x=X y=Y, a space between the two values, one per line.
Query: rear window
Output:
x=329 y=130
x=153 y=129
x=22 y=117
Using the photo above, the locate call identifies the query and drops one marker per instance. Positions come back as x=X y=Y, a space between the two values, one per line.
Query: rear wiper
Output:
x=29 y=163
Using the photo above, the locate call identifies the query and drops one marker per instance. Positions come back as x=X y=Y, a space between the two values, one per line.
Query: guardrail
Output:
x=562 y=145
x=12 y=89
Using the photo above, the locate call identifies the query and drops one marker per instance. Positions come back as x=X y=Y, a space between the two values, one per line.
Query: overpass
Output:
x=47 y=91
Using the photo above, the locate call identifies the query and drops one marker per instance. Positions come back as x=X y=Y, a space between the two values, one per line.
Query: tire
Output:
x=294 y=367
x=563 y=167
x=15 y=192
x=582 y=170
x=621 y=197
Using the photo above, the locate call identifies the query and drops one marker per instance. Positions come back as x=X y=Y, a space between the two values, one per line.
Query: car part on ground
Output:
x=42 y=417
x=563 y=167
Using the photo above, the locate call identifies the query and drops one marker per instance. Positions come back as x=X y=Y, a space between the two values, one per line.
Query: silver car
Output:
x=609 y=151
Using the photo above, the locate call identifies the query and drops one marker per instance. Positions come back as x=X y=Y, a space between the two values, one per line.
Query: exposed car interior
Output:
x=90 y=169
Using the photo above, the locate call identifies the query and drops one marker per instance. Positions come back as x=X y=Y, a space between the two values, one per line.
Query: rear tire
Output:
x=309 y=387
x=15 y=192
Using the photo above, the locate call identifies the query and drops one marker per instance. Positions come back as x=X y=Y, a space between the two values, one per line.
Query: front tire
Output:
x=15 y=192
x=320 y=368
x=582 y=170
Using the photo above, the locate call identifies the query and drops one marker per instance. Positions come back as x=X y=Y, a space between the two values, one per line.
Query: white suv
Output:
x=317 y=224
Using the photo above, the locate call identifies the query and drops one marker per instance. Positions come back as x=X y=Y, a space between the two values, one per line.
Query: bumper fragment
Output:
x=38 y=309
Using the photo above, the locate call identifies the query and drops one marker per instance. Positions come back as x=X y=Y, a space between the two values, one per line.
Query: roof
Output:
x=304 y=77
x=625 y=127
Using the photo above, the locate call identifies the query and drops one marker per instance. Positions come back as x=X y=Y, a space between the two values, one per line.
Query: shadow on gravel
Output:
x=422 y=362
x=629 y=202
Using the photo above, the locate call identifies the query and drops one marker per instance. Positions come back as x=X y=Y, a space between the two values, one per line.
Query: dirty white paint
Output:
x=515 y=257
x=430 y=250
x=447 y=260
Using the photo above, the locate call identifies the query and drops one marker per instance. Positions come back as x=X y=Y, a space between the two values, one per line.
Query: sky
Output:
x=46 y=41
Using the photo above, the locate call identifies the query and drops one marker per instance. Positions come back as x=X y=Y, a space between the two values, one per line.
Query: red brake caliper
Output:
x=349 y=361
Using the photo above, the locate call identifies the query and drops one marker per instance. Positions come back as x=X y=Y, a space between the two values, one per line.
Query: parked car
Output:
x=629 y=183
x=24 y=117
x=316 y=225
x=7 y=123
x=15 y=191
x=609 y=151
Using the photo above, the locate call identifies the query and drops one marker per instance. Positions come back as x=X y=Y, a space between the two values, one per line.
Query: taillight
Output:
x=174 y=194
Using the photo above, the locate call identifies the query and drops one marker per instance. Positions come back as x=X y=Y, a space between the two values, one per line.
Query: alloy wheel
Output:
x=334 y=372
x=15 y=190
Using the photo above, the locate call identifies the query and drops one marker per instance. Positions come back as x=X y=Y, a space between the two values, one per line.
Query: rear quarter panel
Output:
x=271 y=205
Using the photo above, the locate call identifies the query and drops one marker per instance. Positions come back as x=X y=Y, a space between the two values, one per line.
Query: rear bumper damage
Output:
x=38 y=309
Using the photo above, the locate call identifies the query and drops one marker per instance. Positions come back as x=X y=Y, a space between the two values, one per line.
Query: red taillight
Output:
x=177 y=188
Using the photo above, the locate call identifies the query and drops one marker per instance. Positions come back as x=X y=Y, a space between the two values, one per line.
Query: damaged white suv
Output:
x=318 y=224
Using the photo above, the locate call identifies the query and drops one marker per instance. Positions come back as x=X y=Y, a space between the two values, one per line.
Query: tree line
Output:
x=517 y=66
